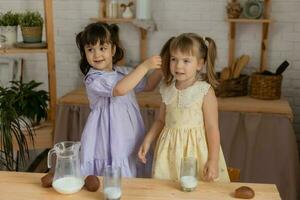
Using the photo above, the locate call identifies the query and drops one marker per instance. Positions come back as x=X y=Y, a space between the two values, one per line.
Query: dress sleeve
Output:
x=100 y=85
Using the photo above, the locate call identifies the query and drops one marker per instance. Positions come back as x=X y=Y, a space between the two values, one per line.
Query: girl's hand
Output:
x=153 y=62
x=211 y=171
x=143 y=152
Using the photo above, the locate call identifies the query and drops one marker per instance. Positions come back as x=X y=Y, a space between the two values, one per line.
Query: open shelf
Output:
x=112 y=20
x=44 y=133
x=265 y=23
x=14 y=50
x=242 y=20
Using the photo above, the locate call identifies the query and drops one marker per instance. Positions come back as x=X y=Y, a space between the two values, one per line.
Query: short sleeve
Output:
x=100 y=85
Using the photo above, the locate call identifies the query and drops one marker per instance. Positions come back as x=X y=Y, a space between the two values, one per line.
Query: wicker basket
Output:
x=265 y=86
x=233 y=87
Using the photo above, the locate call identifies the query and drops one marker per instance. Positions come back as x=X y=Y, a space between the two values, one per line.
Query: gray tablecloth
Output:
x=262 y=146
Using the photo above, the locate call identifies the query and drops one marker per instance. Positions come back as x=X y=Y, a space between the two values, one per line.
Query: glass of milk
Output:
x=112 y=183
x=188 y=174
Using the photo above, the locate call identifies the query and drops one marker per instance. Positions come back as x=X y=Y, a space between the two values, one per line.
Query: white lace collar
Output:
x=187 y=96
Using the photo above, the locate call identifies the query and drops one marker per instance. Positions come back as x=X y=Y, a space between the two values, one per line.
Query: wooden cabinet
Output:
x=265 y=21
x=44 y=134
x=143 y=32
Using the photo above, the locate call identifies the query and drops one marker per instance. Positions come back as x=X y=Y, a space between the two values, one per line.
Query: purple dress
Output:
x=114 y=129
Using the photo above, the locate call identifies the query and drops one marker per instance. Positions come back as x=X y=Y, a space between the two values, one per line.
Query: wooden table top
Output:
x=234 y=104
x=27 y=186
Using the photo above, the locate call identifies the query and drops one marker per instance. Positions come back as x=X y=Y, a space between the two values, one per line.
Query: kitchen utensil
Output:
x=282 y=67
x=253 y=9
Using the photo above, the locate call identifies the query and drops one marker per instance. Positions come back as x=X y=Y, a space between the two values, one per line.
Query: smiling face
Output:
x=100 y=56
x=184 y=67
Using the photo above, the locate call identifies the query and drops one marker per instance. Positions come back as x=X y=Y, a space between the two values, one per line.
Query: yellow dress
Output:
x=184 y=133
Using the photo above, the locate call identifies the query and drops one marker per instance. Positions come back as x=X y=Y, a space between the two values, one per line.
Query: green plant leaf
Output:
x=9 y=19
x=31 y=18
x=19 y=102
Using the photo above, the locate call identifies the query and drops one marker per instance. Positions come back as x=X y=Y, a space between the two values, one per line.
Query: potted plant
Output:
x=32 y=103
x=8 y=28
x=31 y=23
x=21 y=106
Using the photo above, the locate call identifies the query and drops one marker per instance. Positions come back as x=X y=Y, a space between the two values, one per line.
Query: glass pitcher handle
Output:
x=52 y=151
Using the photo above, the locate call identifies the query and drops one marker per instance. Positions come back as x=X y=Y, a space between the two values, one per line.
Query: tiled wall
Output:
x=206 y=17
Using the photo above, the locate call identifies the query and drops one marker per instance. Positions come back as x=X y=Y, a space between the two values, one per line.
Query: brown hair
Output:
x=193 y=44
x=103 y=33
x=165 y=55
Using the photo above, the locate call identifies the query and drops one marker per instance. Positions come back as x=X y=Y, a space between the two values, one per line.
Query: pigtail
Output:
x=165 y=55
x=210 y=61
x=83 y=63
x=114 y=31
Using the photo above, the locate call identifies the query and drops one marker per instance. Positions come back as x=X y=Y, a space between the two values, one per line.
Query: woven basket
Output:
x=265 y=86
x=233 y=87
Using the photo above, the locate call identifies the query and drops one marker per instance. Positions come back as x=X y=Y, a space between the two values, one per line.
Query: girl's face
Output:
x=100 y=56
x=184 y=68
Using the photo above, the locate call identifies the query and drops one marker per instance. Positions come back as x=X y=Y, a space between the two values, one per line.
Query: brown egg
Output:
x=244 y=192
x=47 y=179
x=92 y=183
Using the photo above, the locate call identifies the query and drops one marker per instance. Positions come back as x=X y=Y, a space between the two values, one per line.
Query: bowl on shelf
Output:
x=253 y=9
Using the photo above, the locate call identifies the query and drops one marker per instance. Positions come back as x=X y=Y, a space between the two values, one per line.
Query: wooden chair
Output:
x=234 y=174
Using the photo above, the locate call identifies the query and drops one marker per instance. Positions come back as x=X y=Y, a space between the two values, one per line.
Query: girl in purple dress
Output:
x=114 y=129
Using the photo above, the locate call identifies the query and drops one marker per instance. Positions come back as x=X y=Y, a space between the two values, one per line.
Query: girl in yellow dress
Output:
x=187 y=124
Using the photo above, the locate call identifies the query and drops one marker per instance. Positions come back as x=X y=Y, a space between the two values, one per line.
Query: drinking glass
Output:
x=112 y=183
x=188 y=174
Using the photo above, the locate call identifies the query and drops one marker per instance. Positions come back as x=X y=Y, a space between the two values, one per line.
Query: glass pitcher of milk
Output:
x=188 y=174
x=67 y=177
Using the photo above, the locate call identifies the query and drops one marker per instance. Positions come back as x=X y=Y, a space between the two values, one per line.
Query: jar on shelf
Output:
x=112 y=8
x=143 y=9
x=234 y=9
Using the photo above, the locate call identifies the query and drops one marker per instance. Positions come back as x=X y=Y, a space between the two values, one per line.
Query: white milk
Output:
x=188 y=182
x=112 y=193
x=68 y=185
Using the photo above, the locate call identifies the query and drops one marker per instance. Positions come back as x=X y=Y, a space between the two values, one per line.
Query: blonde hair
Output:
x=192 y=44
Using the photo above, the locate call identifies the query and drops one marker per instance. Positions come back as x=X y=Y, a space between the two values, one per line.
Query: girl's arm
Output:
x=152 y=134
x=133 y=78
x=153 y=80
x=210 y=112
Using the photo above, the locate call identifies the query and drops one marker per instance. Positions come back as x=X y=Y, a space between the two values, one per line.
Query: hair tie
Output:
x=205 y=41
